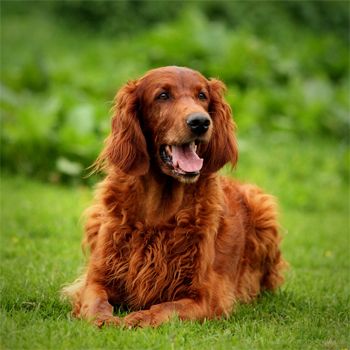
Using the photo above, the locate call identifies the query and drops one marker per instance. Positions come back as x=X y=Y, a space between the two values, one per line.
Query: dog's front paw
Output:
x=101 y=321
x=157 y=315
x=140 y=319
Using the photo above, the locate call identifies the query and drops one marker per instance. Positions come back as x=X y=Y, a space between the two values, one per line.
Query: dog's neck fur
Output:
x=163 y=196
x=156 y=198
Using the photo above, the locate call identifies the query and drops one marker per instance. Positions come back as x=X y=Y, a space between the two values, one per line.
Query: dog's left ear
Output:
x=222 y=147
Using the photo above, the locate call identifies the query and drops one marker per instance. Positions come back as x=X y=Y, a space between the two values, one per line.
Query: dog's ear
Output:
x=222 y=147
x=126 y=147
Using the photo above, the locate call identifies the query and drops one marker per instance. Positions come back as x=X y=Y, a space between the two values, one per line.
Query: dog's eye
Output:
x=202 y=96
x=163 y=96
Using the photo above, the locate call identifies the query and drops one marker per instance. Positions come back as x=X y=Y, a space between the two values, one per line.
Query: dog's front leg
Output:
x=185 y=309
x=95 y=306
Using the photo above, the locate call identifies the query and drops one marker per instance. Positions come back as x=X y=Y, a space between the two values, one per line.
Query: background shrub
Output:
x=285 y=64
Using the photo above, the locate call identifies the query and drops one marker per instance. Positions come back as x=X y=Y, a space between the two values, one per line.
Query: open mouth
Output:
x=182 y=159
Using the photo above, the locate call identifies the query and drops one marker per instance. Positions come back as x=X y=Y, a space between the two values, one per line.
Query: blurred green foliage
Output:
x=285 y=63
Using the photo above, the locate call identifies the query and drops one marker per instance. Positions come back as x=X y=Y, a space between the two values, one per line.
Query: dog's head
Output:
x=172 y=119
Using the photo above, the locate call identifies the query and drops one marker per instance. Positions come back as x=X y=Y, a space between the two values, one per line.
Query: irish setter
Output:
x=167 y=235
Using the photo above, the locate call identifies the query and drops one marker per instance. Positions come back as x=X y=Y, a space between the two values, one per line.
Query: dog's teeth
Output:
x=168 y=149
x=193 y=146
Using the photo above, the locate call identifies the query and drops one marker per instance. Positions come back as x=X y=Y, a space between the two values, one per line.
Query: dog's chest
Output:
x=153 y=265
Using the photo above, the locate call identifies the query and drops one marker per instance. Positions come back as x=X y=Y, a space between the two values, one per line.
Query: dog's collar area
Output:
x=182 y=159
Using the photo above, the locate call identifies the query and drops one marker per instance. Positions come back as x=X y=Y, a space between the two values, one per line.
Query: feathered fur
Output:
x=162 y=243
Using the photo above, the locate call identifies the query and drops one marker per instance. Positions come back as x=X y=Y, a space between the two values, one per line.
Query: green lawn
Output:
x=40 y=250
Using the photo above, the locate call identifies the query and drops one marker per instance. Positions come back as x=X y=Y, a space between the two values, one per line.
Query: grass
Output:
x=41 y=232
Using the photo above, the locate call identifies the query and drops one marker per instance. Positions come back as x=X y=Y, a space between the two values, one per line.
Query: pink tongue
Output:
x=186 y=159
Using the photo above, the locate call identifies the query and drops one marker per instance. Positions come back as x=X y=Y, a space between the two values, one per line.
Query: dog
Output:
x=167 y=235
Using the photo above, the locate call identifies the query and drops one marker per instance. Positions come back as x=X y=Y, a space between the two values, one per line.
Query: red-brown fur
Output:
x=162 y=245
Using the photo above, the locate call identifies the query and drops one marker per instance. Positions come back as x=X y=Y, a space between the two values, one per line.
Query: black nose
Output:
x=199 y=123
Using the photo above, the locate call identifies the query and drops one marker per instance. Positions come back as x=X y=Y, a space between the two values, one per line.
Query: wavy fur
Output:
x=162 y=246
